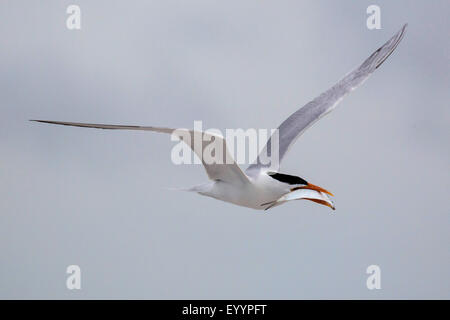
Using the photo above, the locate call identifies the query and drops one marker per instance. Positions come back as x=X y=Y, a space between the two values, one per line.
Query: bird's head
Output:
x=302 y=189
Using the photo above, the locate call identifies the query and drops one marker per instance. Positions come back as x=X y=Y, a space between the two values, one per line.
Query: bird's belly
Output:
x=251 y=196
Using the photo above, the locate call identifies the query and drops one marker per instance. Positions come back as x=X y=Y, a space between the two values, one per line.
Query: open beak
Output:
x=320 y=198
x=302 y=193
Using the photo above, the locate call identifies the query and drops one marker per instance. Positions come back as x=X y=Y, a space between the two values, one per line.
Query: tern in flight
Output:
x=262 y=186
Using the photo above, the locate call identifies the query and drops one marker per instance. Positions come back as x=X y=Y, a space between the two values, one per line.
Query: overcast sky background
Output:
x=97 y=198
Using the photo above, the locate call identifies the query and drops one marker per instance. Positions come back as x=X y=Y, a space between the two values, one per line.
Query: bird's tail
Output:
x=188 y=189
x=196 y=188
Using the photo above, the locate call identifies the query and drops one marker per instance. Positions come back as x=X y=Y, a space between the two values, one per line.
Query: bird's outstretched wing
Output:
x=303 y=118
x=220 y=167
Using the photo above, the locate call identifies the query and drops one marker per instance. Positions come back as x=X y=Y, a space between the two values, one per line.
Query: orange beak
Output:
x=313 y=187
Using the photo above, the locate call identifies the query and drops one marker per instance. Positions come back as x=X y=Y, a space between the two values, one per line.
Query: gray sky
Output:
x=97 y=198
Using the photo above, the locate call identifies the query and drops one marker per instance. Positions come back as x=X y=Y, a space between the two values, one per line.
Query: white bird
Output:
x=261 y=186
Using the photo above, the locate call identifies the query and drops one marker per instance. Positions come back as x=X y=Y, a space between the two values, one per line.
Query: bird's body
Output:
x=262 y=186
x=257 y=191
x=260 y=192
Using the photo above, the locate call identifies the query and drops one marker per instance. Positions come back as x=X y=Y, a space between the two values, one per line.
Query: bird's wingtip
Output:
x=403 y=29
